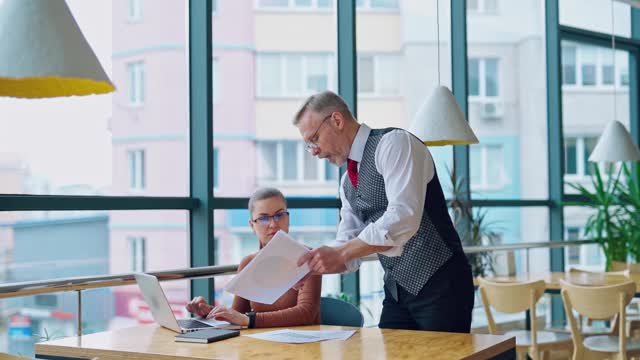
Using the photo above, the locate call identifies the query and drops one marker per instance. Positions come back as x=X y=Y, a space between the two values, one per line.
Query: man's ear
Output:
x=338 y=119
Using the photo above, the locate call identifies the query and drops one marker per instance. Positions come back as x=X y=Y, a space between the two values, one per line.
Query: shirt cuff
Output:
x=372 y=236
x=352 y=265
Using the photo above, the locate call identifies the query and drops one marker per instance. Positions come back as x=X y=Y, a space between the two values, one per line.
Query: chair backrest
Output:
x=338 y=312
x=597 y=302
x=616 y=270
x=511 y=297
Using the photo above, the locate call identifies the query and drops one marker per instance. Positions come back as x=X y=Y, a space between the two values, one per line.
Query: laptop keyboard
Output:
x=192 y=324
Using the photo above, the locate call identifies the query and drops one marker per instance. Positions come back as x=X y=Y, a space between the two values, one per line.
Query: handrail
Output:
x=92 y=282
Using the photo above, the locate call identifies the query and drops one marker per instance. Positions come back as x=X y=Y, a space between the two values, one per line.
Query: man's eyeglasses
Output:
x=311 y=144
x=266 y=219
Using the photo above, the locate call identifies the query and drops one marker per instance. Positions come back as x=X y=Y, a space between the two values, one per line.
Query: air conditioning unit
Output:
x=491 y=109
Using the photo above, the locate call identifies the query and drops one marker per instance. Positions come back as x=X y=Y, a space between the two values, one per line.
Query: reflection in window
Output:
x=295 y=75
x=135 y=73
x=137 y=254
x=487 y=167
x=378 y=74
x=136 y=169
x=287 y=161
x=483 y=77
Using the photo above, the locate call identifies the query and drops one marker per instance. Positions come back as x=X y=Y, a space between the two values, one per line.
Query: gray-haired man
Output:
x=392 y=205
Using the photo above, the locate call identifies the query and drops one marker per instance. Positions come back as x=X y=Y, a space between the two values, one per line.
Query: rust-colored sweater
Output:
x=293 y=308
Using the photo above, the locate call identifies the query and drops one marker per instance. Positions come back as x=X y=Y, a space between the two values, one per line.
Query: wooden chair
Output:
x=519 y=297
x=586 y=325
x=600 y=302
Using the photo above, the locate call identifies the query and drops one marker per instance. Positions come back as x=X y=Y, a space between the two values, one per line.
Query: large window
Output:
x=284 y=162
x=294 y=75
x=487 y=166
x=379 y=75
x=268 y=56
x=506 y=78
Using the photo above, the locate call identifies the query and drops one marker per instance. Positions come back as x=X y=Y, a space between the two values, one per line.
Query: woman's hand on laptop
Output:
x=199 y=307
x=224 y=313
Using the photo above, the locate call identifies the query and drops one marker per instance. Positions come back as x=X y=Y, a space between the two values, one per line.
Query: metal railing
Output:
x=79 y=284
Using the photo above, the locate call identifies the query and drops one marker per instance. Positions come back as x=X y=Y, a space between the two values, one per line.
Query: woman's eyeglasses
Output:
x=266 y=219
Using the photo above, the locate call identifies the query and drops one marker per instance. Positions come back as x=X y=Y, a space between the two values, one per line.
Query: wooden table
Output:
x=153 y=342
x=552 y=279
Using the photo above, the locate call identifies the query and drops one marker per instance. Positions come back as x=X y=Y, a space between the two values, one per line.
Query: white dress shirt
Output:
x=406 y=167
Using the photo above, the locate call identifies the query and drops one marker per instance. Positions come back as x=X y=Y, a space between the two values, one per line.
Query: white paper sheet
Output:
x=272 y=272
x=302 y=336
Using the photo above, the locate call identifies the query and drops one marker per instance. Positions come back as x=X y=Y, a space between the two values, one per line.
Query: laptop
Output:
x=154 y=297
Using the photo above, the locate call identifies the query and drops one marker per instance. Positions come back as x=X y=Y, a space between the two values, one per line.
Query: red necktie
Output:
x=352 y=169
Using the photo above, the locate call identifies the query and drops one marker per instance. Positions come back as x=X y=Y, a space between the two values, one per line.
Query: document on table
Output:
x=272 y=272
x=302 y=336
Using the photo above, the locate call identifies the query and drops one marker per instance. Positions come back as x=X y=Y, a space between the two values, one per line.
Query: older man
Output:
x=392 y=205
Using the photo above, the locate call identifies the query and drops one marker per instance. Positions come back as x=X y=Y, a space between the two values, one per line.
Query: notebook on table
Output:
x=206 y=336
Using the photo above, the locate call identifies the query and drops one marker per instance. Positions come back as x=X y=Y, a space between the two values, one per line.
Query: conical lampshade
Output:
x=615 y=144
x=439 y=121
x=44 y=54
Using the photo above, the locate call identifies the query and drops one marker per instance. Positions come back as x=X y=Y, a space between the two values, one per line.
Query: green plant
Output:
x=628 y=190
x=472 y=225
x=606 y=225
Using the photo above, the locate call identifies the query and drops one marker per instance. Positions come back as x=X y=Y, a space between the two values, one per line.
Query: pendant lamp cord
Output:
x=613 y=47
x=438 y=35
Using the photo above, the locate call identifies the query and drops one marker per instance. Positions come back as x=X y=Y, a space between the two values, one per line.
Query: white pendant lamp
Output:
x=439 y=120
x=615 y=144
x=43 y=53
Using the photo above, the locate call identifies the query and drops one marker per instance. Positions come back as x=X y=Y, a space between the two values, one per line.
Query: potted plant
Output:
x=628 y=190
x=606 y=225
x=472 y=225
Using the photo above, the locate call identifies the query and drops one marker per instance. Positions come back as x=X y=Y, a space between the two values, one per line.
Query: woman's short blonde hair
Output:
x=265 y=193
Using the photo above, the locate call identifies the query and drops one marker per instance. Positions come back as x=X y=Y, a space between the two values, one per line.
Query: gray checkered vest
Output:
x=436 y=240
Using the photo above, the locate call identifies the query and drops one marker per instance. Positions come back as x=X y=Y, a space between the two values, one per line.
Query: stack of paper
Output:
x=272 y=272
x=302 y=336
